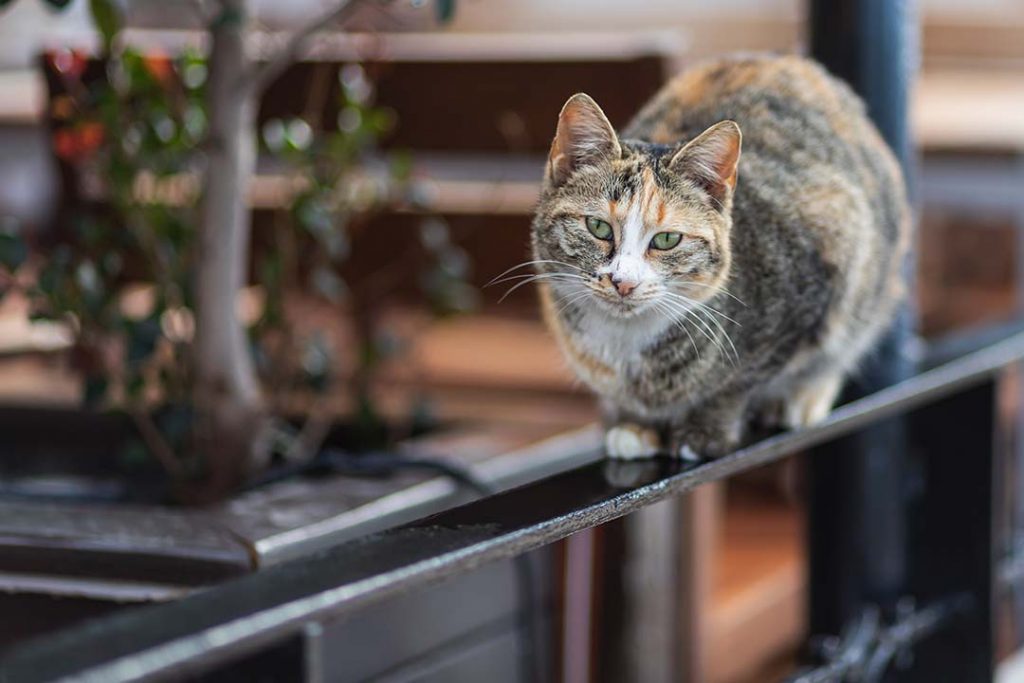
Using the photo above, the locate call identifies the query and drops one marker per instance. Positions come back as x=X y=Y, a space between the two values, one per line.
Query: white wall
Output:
x=28 y=25
x=583 y=15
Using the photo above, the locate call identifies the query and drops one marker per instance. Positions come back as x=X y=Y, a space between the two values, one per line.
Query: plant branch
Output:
x=156 y=443
x=311 y=437
x=264 y=73
x=226 y=390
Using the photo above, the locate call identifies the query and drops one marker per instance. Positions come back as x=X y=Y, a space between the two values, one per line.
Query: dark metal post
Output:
x=874 y=46
x=859 y=489
x=952 y=534
x=901 y=515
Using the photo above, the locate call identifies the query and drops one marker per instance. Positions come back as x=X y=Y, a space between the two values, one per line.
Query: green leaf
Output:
x=94 y=390
x=445 y=10
x=4 y=3
x=133 y=454
x=369 y=355
x=401 y=165
x=271 y=274
x=13 y=251
x=58 y=4
x=142 y=339
x=42 y=316
x=134 y=385
x=370 y=429
x=380 y=120
x=175 y=422
x=107 y=17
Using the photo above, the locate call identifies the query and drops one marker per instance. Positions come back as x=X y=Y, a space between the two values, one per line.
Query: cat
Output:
x=731 y=256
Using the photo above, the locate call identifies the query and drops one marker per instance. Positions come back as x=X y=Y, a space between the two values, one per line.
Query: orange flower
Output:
x=62 y=107
x=79 y=142
x=159 y=66
x=90 y=137
x=64 y=144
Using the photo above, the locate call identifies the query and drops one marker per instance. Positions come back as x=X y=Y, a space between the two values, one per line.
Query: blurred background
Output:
x=478 y=151
x=442 y=129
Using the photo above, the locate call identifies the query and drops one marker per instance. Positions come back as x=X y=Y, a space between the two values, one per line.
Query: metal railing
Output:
x=256 y=611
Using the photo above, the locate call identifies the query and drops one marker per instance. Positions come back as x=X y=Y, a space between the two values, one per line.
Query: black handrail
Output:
x=241 y=615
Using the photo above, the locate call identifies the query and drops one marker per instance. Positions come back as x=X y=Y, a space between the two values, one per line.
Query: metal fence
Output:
x=942 y=629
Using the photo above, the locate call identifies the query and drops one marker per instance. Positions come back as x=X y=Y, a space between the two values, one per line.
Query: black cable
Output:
x=381 y=464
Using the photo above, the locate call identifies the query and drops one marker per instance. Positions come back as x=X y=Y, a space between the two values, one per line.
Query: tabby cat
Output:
x=695 y=288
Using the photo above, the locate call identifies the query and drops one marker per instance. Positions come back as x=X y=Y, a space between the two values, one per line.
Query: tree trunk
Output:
x=227 y=394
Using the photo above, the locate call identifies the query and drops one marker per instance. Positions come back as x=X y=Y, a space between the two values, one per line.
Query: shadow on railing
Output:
x=254 y=612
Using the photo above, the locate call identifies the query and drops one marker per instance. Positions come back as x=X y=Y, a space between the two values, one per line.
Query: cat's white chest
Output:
x=619 y=343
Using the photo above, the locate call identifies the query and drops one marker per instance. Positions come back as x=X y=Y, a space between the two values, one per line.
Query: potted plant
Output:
x=189 y=334
x=175 y=319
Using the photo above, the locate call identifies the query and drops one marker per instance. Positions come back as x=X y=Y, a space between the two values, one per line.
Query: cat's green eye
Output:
x=666 y=240
x=599 y=228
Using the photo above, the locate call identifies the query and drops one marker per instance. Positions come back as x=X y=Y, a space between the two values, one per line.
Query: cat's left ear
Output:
x=584 y=137
x=712 y=159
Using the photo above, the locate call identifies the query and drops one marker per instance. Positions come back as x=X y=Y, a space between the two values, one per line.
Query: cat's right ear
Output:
x=584 y=137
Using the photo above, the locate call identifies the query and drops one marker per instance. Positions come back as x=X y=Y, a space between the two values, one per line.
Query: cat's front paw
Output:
x=630 y=441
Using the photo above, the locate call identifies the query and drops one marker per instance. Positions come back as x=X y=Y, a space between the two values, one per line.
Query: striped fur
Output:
x=787 y=271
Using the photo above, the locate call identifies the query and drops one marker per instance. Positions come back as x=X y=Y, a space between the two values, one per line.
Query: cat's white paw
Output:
x=812 y=403
x=806 y=414
x=629 y=441
x=684 y=452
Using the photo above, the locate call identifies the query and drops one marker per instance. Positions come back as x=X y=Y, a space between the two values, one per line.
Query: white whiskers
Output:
x=706 y=321
x=713 y=288
x=679 y=320
x=540 y=277
x=687 y=314
x=569 y=299
x=526 y=264
x=528 y=278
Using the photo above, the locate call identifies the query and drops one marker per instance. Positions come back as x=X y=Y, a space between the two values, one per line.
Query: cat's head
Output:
x=635 y=227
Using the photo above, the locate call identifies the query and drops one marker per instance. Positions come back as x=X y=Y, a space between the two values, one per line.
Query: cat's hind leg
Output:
x=811 y=401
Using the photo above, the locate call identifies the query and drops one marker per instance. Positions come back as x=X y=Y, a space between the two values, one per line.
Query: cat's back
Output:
x=799 y=122
x=775 y=99
x=820 y=212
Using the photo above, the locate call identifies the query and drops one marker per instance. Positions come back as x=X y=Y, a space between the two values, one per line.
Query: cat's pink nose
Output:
x=623 y=287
